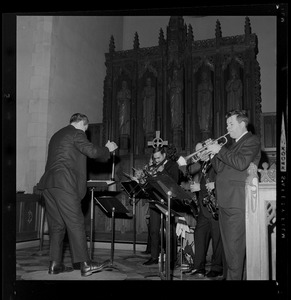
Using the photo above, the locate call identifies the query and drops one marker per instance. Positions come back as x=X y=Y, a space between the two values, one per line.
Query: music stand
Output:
x=94 y=185
x=170 y=196
x=113 y=209
x=160 y=185
x=134 y=191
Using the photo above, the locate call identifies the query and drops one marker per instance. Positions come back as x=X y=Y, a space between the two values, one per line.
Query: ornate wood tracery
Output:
x=175 y=68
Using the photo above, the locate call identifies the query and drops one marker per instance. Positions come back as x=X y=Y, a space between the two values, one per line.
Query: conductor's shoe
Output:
x=200 y=273
x=56 y=268
x=213 y=274
x=89 y=267
x=151 y=261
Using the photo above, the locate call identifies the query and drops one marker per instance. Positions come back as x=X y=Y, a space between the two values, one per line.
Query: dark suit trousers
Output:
x=232 y=228
x=206 y=229
x=64 y=213
x=155 y=226
x=155 y=232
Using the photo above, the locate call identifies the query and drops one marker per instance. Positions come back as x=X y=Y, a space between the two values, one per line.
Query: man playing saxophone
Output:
x=207 y=226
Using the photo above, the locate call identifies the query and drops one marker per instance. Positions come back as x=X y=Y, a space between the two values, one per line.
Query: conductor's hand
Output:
x=111 y=146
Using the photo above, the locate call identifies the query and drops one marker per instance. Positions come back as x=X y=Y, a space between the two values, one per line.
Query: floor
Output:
x=128 y=278
x=124 y=265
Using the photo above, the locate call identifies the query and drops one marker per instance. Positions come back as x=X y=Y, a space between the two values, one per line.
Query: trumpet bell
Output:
x=202 y=153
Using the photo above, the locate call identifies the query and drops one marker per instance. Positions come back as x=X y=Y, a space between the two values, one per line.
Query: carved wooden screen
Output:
x=181 y=87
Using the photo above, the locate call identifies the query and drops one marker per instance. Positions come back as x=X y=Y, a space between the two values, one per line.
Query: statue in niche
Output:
x=234 y=91
x=176 y=88
x=205 y=99
x=149 y=101
x=123 y=101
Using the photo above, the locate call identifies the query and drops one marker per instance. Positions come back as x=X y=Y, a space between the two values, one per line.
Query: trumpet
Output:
x=196 y=156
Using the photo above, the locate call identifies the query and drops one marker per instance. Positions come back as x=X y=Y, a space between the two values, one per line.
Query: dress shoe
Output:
x=200 y=273
x=186 y=270
x=213 y=274
x=89 y=267
x=151 y=261
x=56 y=268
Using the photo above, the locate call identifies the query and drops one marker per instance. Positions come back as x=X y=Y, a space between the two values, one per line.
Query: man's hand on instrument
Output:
x=111 y=146
x=194 y=187
x=210 y=186
x=213 y=148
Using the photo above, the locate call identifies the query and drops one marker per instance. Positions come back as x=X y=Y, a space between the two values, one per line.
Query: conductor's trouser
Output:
x=64 y=213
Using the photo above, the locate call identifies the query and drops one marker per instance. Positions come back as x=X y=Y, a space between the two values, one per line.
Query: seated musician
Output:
x=166 y=163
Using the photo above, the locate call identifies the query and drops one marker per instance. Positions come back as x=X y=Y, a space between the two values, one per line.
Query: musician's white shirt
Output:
x=236 y=140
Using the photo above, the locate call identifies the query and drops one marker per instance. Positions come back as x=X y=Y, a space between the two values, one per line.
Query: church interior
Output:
x=91 y=64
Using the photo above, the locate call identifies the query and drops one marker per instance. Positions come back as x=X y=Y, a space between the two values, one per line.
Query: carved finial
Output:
x=111 y=45
x=176 y=21
x=190 y=36
x=136 y=41
x=161 y=38
x=218 y=33
x=248 y=29
x=185 y=31
x=268 y=175
x=176 y=30
x=252 y=173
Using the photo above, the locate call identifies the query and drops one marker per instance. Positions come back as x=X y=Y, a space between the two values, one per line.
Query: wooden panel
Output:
x=27 y=217
x=269 y=131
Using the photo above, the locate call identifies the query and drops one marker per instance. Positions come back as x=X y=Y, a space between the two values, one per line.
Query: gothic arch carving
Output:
x=177 y=51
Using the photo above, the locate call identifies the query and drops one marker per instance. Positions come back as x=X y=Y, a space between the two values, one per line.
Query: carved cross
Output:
x=157 y=141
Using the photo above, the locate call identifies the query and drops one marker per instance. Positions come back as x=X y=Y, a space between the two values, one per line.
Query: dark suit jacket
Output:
x=231 y=167
x=66 y=163
x=171 y=168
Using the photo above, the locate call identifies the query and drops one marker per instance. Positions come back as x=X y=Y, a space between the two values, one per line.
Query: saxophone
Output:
x=209 y=200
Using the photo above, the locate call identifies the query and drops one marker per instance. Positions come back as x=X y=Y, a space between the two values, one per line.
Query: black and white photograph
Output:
x=143 y=147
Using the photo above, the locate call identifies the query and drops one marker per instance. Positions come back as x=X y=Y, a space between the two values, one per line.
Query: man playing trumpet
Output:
x=231 y=165
x=207 y=226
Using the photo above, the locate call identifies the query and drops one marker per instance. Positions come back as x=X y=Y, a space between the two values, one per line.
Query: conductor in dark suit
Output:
x=64 y=185
x=231 y=165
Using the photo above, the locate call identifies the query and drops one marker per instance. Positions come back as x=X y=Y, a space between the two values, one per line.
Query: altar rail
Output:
x=261 y=223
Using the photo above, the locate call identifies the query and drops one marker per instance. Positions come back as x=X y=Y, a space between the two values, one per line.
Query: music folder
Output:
x=107 y=203
x=133 y=188
x=159 y=186
x=99 y=183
